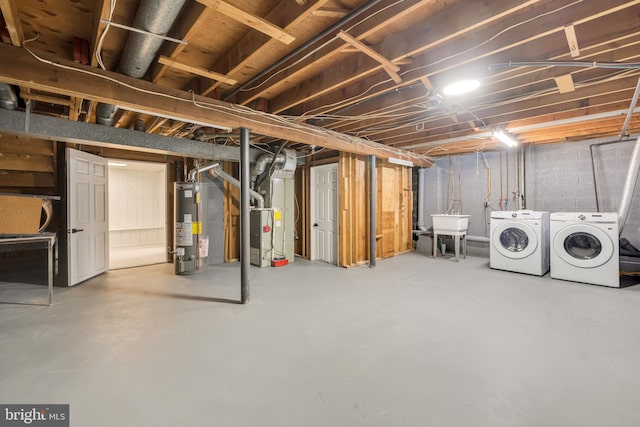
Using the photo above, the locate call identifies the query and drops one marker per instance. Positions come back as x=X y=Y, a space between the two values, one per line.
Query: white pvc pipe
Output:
x=629 y=187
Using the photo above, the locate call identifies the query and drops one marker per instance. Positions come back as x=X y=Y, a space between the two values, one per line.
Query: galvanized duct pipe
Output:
x=8 y=98
x=629 y=187
x=263 y=161
x=106 y=114
x=154 y=16
x=218 y=172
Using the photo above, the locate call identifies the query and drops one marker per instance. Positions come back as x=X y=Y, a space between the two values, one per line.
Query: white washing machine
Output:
x=584 y=248
x=520 y=241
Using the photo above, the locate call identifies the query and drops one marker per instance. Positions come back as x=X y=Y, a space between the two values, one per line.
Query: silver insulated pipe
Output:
x=629 y=187
x=8 y=98
x=154 y=16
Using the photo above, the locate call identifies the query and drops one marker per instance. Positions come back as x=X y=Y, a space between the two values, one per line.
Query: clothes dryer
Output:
x=520 y=241
x=584 y=248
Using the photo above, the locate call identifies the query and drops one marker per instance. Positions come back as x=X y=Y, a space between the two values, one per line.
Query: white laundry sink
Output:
x=446 y=224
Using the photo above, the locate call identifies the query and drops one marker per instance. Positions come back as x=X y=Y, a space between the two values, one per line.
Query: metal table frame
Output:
x=16 y=242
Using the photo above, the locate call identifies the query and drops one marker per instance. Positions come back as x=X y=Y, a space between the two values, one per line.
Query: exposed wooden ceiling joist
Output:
x=249 y=20
x=12 y=20
x=129 y=93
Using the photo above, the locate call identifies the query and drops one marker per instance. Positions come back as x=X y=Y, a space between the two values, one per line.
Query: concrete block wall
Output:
x=558 y=178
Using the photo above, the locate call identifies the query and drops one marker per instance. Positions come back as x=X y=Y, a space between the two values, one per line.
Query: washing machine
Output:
x=584 y=248
x=520 y=241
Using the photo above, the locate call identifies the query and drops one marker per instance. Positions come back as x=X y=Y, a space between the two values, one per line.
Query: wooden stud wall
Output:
x=231 y=215
x=27 y=164
x=394 y=205
x=302 y=211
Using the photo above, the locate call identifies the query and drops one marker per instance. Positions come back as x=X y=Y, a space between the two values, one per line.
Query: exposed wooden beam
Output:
x=187 y=26
x=389 y=66
x=253 y=21
x=331 y=12
x=12 y=20
x=398 y=45
x=47 y=99
x=196 y=70
x=261 y=46
x=75 y=108
x=380 y=15
x=102 y=14
x=71 y=79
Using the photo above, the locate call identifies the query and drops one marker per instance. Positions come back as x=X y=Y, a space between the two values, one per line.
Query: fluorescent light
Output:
x=461 y=87
x=505 y=137
x=181 y=119
x=116 y=164
x=400 y=162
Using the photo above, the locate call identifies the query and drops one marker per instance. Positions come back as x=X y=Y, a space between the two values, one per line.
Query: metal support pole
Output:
x=245 y=179
x=372 y=211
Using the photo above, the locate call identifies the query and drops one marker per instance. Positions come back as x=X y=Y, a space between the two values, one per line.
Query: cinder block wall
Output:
x=558 y=178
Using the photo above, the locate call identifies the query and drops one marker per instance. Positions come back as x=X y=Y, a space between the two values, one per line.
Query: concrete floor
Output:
x=413 y=342
x=136 y=256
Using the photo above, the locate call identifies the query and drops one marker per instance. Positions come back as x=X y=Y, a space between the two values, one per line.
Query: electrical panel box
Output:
x=260 y=236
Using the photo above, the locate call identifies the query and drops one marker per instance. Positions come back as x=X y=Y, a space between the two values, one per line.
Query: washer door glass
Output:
x=582 y=245
x=514 y=239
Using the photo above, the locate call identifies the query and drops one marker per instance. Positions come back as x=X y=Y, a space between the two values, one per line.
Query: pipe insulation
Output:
x=154 y=16
x=629 y=187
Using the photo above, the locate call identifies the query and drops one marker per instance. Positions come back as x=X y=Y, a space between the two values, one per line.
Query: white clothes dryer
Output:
x=520 y=241
x=585 y=248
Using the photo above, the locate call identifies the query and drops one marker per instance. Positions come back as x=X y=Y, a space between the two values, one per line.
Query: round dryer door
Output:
x=514 y=240
x=583 y=245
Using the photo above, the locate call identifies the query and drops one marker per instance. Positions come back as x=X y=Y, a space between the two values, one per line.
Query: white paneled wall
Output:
x=137 y=204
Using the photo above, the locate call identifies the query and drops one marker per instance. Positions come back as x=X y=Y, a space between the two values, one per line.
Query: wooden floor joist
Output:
x=75 y=80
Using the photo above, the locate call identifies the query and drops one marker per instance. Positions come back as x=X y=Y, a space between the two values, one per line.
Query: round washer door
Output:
x=583 y=245
x=515 y=240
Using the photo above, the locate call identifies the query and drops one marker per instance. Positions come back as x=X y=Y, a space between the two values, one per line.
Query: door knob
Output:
x=76 y=230
x=315 y=225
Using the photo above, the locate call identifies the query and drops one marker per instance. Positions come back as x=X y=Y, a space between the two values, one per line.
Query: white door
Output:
x=324 y=213
x=87 y=220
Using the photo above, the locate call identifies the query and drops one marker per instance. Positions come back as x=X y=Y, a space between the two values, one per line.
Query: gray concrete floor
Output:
x=413 y=342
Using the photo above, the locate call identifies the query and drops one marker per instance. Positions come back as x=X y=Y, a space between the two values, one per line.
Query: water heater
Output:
x=191 y=239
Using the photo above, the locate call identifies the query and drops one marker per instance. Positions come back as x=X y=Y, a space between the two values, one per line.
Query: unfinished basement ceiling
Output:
x=371 y=69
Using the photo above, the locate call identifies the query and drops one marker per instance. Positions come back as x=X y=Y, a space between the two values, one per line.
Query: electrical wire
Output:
x=320 y=47
x=98 y=52
x=273 y=120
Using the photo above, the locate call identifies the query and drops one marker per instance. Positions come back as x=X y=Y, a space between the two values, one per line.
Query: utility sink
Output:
x=446 y=224
x=453 y=225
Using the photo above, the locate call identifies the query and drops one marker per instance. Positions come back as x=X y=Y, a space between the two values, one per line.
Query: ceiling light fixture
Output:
x=461 y=87
x=505 y=137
